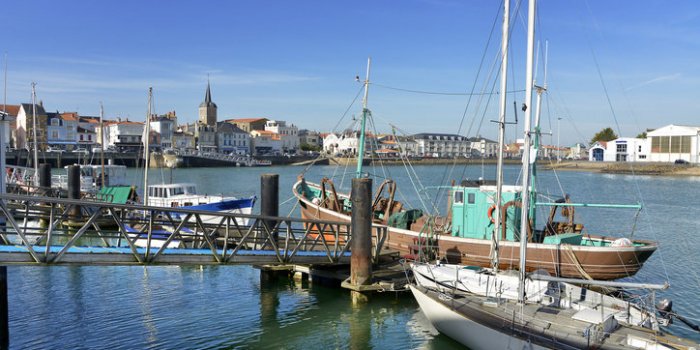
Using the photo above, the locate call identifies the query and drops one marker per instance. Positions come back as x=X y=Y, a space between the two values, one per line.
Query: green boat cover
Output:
x=116 y=194
x=404 y=219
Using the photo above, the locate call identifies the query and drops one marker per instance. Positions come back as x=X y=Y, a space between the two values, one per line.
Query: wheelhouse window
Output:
x=459 y=197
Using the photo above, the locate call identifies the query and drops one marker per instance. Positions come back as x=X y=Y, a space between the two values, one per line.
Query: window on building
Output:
x=655 y=144
x=621 y=148
x=664 y=143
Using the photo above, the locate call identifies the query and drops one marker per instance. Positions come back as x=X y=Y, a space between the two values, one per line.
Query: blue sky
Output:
x=296 y=60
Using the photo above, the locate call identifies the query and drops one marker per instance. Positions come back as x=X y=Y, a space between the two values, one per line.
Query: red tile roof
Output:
x=245 y=120
x=12 y=110
x=69 y=116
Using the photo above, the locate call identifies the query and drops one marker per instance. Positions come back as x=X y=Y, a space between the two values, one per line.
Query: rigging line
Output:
x=442 y=93
x=619 y=130
x=336 y=126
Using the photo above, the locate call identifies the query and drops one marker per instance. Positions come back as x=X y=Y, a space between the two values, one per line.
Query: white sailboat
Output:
x=484 y=308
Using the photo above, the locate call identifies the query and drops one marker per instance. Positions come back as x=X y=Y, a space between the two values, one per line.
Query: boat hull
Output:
x=463 y=329
x=600 y=263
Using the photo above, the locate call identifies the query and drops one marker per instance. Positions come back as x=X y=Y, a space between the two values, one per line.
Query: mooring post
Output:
x=361 y=226
x=74 y=188
x=269 y=203
x=45 y=178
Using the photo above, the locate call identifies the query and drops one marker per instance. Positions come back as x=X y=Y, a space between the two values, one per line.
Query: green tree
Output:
x=642 y=135
x=606 y=134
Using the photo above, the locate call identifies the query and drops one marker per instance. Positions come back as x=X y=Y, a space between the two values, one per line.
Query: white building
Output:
x=61 y=131
x=483 y=147
x=623 y=149
x=673 y=142
x=165 y=126
x=289 y=134
x=265 y=142
x=442 y=145
x=124 y=135
x=347 y=143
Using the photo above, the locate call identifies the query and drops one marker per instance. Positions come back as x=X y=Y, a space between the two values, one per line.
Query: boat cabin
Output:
x=173 y=195
x=473 y=209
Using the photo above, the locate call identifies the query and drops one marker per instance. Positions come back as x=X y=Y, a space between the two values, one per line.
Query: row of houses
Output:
x=671 y=143
x=32 y=126
x=433 y=145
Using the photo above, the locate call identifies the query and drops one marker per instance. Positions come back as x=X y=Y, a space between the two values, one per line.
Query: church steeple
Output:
x=207 y=109
x=207 y=98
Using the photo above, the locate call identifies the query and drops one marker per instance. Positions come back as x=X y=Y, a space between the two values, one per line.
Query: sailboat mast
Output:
x=501 y=134
x=365 y=113
x=36 y=140
x=525 y=220
x=146 y=153
x=102 y=144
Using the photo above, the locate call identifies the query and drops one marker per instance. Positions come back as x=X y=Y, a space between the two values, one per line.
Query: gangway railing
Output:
x=58 y=231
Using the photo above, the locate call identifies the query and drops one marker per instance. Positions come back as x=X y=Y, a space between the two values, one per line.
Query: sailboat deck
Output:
x=551 y=326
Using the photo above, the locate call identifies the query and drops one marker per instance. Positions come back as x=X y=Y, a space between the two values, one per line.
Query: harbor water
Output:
x=226 y=307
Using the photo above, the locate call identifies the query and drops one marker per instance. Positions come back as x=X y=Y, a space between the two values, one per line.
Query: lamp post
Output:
x=558 y=147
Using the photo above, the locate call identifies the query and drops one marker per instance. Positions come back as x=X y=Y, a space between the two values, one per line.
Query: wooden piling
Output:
x=45 y=178
x=74 y=189
x=361 y=225
x=269 y=201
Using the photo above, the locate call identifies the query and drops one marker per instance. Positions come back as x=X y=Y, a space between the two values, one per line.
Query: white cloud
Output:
x=655 y=80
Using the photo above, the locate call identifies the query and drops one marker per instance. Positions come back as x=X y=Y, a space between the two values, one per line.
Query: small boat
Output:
x=182 y=196
x=185 y=196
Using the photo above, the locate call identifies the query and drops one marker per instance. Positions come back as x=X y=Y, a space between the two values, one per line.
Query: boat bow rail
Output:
x=56 y=231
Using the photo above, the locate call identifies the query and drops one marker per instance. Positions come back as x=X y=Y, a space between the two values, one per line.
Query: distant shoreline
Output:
x=660 y=169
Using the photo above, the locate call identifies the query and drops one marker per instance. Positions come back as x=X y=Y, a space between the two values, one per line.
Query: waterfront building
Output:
x=86 y=135
x=165 y=125
x=442 y=145
x=623 y=149
x=249 y=124
x=265 y=142
x=231 y=139
x=124 y=135
x=577 y=151
x=24 y=130
x=10 y=133
x=207 y=110
x=346 y=144
x=483 y=147
x=205 y=137
x=674 y=142
x=310 y=138
x=62 y=130
x=289 y=134
x=183 y=140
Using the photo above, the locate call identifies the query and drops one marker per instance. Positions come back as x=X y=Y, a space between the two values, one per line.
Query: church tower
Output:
x=207 y=109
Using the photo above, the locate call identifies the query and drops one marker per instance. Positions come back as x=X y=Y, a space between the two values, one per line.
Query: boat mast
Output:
x=501 y=135
x=538 y=136
x=102 y=144
x=525 y=220
x=36 y=140
x=365 y=113
x=146 y=153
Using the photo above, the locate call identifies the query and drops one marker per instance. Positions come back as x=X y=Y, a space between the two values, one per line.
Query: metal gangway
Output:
x=230 y=158
x=58 y=231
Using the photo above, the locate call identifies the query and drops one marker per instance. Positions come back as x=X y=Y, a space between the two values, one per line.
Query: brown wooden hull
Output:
x=600 y=263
